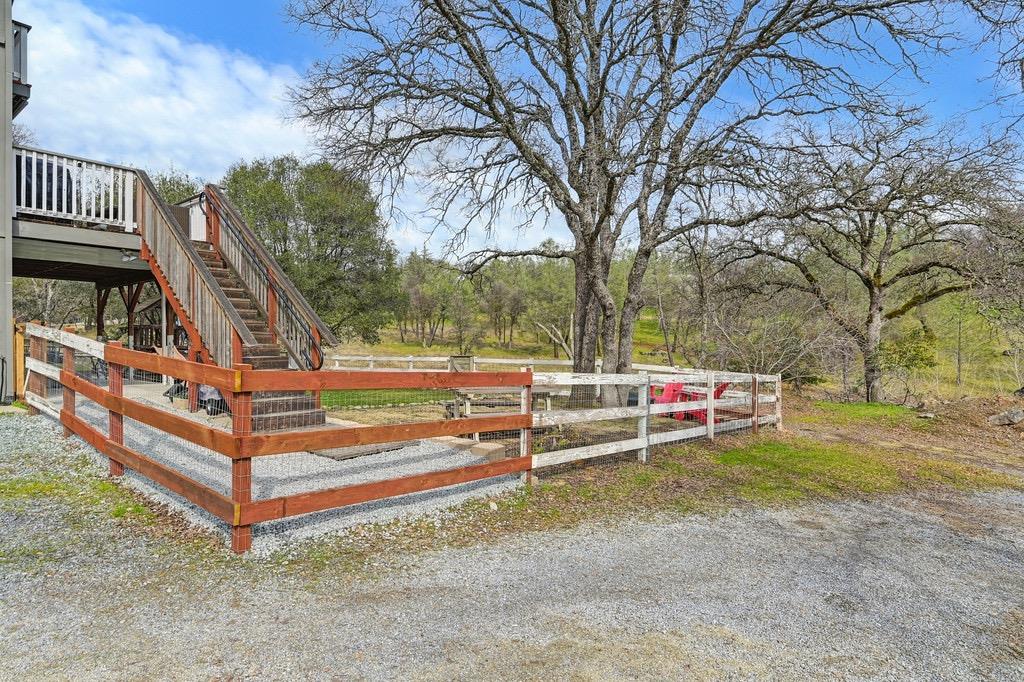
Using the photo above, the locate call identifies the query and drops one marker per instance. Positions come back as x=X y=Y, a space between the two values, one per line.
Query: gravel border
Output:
x=292 y=473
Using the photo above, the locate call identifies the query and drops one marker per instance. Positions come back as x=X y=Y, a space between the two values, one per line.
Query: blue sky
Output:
x=198 y=85
x=257 y=27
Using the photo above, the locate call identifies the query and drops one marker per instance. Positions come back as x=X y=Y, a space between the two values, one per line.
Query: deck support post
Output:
x=115 y=420
x=241 y=469
x=19 y=361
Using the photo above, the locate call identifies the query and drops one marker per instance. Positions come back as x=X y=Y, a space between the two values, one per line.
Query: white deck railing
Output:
x=19 y=44
x=72 y=188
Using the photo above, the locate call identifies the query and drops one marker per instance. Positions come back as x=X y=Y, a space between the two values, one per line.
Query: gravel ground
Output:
x=926 y=587
x=297 y=473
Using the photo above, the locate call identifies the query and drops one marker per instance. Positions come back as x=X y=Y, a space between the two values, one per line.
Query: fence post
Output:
x=241 y=469
x=115 y=420
x=755 y=400
x=19 y=361
x=36 y=381
x=526 y=434
x=68 y=365
x=643 y=399
x=711 y=406
x=778 y=402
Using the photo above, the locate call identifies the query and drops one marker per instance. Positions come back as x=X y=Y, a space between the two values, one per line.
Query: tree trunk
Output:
x=873 y=391
x=585 y=329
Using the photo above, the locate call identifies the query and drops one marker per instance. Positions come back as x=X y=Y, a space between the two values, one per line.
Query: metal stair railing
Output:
x=292 y=320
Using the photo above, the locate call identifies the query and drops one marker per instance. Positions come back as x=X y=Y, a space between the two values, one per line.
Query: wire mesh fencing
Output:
x=254 y=446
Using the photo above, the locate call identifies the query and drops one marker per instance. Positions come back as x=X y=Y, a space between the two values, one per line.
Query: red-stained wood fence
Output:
x=240 y=444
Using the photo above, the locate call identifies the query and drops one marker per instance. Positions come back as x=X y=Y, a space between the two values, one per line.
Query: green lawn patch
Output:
x=401 y=396
x=852 y=414
x=694 y=478
x=800 y=468
x=85 y=493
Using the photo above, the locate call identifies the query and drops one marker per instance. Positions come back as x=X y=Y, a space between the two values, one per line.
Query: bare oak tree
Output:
x=625 y=120
x=905 y=198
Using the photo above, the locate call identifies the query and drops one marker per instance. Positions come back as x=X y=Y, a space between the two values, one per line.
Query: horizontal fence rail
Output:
x=113 y=398
x=72 y=188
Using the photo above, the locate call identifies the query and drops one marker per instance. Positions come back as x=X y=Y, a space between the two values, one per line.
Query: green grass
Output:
x=695 y=478
x=410 y=396
x=84 y=493
x=854 y=414
x=790 y=470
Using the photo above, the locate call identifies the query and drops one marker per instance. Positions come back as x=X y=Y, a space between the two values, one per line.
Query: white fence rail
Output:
x=72 y=188
x=577 y=420
x=475 y=363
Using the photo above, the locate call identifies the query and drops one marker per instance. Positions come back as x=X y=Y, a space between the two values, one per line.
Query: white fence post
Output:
x=524 y=408
x=778 y=402
x=711 y=406
x=643 y=399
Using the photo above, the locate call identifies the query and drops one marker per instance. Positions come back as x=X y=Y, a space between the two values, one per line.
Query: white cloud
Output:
x=118 y=89
x=114 y=88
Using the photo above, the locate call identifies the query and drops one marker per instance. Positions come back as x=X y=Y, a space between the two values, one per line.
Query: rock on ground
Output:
x=1008 y=418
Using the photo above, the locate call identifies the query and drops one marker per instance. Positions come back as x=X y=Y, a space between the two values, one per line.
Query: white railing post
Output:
x=643 y=399
x=129 y=205
x=778 y=402
x=524 y=408
x=711 y=406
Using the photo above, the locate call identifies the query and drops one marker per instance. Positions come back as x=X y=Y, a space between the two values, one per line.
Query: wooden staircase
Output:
x=271 y=410
x=219 y=310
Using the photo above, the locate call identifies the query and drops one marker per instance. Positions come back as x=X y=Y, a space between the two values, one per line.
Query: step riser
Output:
x=267 y=363
x=283 y=405
x=277 y=422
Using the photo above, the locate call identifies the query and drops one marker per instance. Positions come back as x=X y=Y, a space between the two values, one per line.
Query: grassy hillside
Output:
x=985 y=368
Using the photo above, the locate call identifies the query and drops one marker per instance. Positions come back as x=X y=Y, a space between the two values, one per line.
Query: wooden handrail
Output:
x=280 y=278
x=190 y=279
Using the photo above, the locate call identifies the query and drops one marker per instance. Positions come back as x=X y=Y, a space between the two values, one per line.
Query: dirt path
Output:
x=925 y=587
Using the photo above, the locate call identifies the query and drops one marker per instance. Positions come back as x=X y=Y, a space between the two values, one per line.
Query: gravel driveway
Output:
x=928 y=587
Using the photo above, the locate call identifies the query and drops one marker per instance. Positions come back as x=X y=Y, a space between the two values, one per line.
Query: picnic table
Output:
x=467 y=398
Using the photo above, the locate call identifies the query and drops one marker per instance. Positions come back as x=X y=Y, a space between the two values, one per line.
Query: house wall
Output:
x=6 y=200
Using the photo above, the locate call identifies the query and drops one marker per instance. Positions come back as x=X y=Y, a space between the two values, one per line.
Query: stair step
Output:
x=266 y=361
x=252 y=314
x=262 y=349
x=283 y=405
x=288 y=420
x=241 y=303
x=257 y=327
x=273 y=395
x=263 y=337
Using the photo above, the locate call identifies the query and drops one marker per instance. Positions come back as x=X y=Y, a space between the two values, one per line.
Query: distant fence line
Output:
x=473 y=363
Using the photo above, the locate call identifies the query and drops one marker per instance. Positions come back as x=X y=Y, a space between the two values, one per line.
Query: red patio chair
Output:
x=680 y=393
